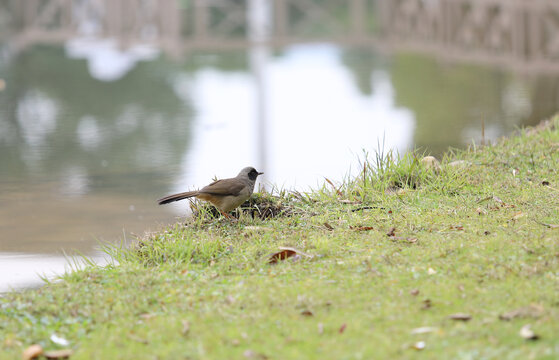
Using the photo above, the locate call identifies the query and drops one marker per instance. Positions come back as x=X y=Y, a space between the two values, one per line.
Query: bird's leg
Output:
x=227 y=215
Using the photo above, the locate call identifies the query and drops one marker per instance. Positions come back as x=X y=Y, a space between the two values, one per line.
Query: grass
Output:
x=393 y=253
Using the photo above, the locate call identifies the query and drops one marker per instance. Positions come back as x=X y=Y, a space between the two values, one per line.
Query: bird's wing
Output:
x=224 y=187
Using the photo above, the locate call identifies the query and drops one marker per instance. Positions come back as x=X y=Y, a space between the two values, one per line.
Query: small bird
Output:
x=224 y=194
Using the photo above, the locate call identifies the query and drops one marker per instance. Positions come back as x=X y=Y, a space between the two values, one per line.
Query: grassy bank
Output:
x=408 y=261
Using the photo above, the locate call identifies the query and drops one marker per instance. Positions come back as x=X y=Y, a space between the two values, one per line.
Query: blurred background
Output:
x=108 y=105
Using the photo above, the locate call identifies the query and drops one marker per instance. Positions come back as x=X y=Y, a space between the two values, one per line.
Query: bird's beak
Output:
x=260 y=173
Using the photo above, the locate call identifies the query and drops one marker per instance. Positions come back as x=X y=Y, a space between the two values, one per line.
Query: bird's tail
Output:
x=177 y=197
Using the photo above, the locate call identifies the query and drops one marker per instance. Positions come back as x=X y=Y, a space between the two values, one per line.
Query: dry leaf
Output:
x=527 y=333
x=426 y=304
x=423 y=330
x=530 y=311
x=420 y=345
x=58 y=354
x=281 y=255
x=342 y=328
x=285 y=253
x=391 y=232
x=545 y=183
x=32 y=352
x=431 y=163
x=361 y=228
x=307 y=312
x=460 y=317
x=414 y=292
x=328 y=226
x=518 y=215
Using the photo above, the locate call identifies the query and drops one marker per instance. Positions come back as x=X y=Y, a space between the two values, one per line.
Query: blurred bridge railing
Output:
x=522 y=34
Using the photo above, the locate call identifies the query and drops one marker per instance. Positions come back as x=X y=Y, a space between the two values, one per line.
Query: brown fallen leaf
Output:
x=281 y=255
x=414 y=292
x=460 y=317
x=307 y=312
x=546 y=183
x=328 y=226
x=361 y=228
x=32 y=352
x=517 y=215
x=58 y=354
x=342 y=328
x=285 y=253
x=427 y=304
x=457 y=227
x=527 y=333
x=391 y=232
x=530 y=311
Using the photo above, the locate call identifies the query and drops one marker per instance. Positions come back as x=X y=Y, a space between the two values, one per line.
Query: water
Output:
x=92 y=133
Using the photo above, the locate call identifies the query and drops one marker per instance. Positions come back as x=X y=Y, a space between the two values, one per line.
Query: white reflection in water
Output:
x=319 y=122
x=74 y=181
x=20 y=271
x=105 y=59
x=36 y=115
x=89 y=133
x=127 y=122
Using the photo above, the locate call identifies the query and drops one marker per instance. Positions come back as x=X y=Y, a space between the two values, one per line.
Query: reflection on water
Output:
x=21 y=271
x=318 y=122
x=94 y=128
